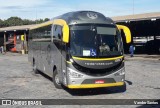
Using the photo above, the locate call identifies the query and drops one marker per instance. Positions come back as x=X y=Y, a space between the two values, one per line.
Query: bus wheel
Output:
x=56 y=81
x=35 y=68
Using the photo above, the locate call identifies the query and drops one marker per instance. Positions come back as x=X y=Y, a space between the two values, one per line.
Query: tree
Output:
x=46 y=19
x=27 y=22
x=38 y=21
x=16 y=21
x=1 y=23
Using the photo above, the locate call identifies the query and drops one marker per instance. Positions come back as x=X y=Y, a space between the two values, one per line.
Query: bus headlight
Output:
x=121 y=72
x=72 y=73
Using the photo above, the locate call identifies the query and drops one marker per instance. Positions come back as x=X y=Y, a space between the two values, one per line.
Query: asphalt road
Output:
x=17 y=81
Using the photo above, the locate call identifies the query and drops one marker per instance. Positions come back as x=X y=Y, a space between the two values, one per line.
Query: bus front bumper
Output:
x=81 y=86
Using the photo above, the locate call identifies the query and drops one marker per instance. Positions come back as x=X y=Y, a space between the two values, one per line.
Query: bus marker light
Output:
x=71 y=60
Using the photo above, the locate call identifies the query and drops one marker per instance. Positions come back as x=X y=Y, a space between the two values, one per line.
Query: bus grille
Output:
x=98 y=72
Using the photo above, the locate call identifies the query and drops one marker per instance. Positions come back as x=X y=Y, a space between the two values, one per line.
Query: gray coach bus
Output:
x=82 y=49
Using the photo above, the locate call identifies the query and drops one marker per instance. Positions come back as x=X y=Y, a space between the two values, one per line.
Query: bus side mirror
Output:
x=126 y=32
x=66 y=34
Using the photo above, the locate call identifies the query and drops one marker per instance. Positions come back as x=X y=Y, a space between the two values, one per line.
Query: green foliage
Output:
x=1 y=23
x=16 y=21
x=13 y=21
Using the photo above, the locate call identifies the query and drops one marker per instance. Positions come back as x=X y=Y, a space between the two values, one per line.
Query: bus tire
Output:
x=35 y=68
x=55 y=79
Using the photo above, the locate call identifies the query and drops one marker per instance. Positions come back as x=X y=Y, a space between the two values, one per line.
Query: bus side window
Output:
x=57 y=32
x=57 y=36
x=54 y=31
x=45 y=33
x=59 y=29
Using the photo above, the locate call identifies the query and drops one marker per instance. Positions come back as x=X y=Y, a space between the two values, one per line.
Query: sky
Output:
x=36 y=9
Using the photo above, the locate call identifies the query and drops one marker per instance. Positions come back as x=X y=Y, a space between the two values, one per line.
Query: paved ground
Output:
x=19 y=82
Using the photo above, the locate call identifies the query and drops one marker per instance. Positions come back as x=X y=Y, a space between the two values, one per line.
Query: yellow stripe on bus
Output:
x=79 y=86
x=97 y=59
x=69 y=62
x=60 y=22
x=42 y=25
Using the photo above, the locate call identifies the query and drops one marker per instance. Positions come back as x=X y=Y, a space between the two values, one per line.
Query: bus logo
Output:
x=92 y=15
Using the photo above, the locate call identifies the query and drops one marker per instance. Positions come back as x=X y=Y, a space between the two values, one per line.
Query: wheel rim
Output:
x=57 y=79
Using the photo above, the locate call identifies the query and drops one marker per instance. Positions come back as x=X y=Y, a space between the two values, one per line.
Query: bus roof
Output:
x=81 y=17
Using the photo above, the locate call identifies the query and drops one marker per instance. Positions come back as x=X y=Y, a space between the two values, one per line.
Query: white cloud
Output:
x=22 y=3
x=21 y=8
x=50 y=8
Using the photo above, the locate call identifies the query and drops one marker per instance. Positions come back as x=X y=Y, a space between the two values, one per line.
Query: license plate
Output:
x=99 y=81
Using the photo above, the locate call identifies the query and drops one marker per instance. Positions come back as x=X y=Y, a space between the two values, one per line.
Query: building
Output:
x=145 y=31
x=14 y=38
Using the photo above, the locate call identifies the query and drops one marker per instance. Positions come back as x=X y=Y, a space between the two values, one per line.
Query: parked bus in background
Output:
x=82 y=49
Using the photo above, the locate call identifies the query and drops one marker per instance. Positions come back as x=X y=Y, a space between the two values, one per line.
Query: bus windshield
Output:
x=95 y=41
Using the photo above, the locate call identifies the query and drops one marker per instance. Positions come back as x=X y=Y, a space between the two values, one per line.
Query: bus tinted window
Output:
x=41 y=34
x=106 y=31
x=57 y=31
x=102 y=40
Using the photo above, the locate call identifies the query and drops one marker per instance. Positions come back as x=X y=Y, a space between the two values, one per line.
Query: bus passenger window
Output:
x=57 y=35
x=57 y=32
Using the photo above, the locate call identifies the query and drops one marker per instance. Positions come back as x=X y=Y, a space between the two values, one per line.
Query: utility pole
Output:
x=36 y=15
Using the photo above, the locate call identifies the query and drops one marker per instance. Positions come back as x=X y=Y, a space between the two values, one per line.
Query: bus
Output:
x=78 y=50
